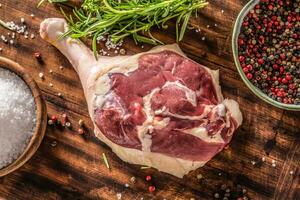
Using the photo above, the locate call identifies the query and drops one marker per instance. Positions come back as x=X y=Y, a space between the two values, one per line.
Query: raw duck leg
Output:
x=157 y=109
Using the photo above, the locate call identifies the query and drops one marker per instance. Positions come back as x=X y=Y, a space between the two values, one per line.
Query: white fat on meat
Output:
x=190 y=94
x=201 y=132
x=94 y=75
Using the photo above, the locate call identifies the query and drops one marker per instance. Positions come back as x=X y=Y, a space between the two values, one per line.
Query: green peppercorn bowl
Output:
x=254 y=89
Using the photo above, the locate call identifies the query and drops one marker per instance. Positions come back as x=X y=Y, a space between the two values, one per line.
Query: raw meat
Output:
x=157 y=108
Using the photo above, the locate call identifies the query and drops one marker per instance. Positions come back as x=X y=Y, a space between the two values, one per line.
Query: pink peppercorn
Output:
x=281 y=69
x=282 y=56
x=292 y=86
x=37 y=55
x=249 y=67
x=148 y=178
x=241 y=42
x=284 y=81
x=249 y=76
x=288 y=77
x=260 y=61
x=151 y=188
x=245 y=23
x=275 y=66
x=80 y=131
x=241 y=58
x=54 y=118
x=246 y=70
x=270 y=7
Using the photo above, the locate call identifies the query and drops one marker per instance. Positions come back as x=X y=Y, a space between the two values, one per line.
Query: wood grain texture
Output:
x=74 y=169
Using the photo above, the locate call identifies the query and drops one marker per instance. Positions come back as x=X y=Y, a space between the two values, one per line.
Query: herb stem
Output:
x=4 y=24
x=122 y=18
x=118 y=11
x=105 y=161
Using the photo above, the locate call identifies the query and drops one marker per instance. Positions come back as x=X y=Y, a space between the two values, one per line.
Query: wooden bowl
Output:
x=41 y=117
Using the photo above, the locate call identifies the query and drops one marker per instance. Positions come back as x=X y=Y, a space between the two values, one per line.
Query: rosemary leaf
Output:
x=40 y=3
x=105 y=160
x=184 y=25
x=51 y=1
x=122 y=18
x=4 y=24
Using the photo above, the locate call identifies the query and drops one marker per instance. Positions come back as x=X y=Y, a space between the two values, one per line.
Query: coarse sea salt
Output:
x=17 y=116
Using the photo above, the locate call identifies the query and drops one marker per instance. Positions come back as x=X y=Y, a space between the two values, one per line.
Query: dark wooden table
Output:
x=73 y=169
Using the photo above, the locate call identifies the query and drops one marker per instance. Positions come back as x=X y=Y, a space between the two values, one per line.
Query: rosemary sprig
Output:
x=4 y=24
x=51 y=1
x=122 y=18
x=105 y=160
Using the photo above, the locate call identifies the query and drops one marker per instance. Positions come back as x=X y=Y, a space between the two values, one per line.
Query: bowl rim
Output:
x=254 y=89
x=41 y=111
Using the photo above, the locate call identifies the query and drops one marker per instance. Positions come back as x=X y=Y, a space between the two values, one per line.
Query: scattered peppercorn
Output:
x=199 y=176
x=37 y=55
x=133 y=179
x=236 y=192
x=217 y=195
x=148 y=178
x=269 y=49
x=122 y=51
x=68 y=124
x=53 y=143
x=54 y=118
x=151 y=188
x=80 y=131
x=50 y=122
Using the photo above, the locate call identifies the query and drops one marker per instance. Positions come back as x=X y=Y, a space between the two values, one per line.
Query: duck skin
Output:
x=158 y=108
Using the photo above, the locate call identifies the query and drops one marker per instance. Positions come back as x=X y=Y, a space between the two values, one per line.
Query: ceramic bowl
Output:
x=255 y=90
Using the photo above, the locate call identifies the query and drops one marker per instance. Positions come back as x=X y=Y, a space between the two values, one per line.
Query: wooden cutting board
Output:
x=70 y=166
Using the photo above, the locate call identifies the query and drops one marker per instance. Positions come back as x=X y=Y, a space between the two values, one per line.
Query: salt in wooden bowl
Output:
x=41 y=118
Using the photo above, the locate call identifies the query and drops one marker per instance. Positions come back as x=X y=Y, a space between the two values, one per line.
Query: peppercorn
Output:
x=260 y=61
x=50 y=122
x=148 y=178
x=249 y=76
x=223 y=187
x=37 y=55
x=217 y=195
x=151 y=188
x=54 y=118
x=80 y=131
x=68 y=124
